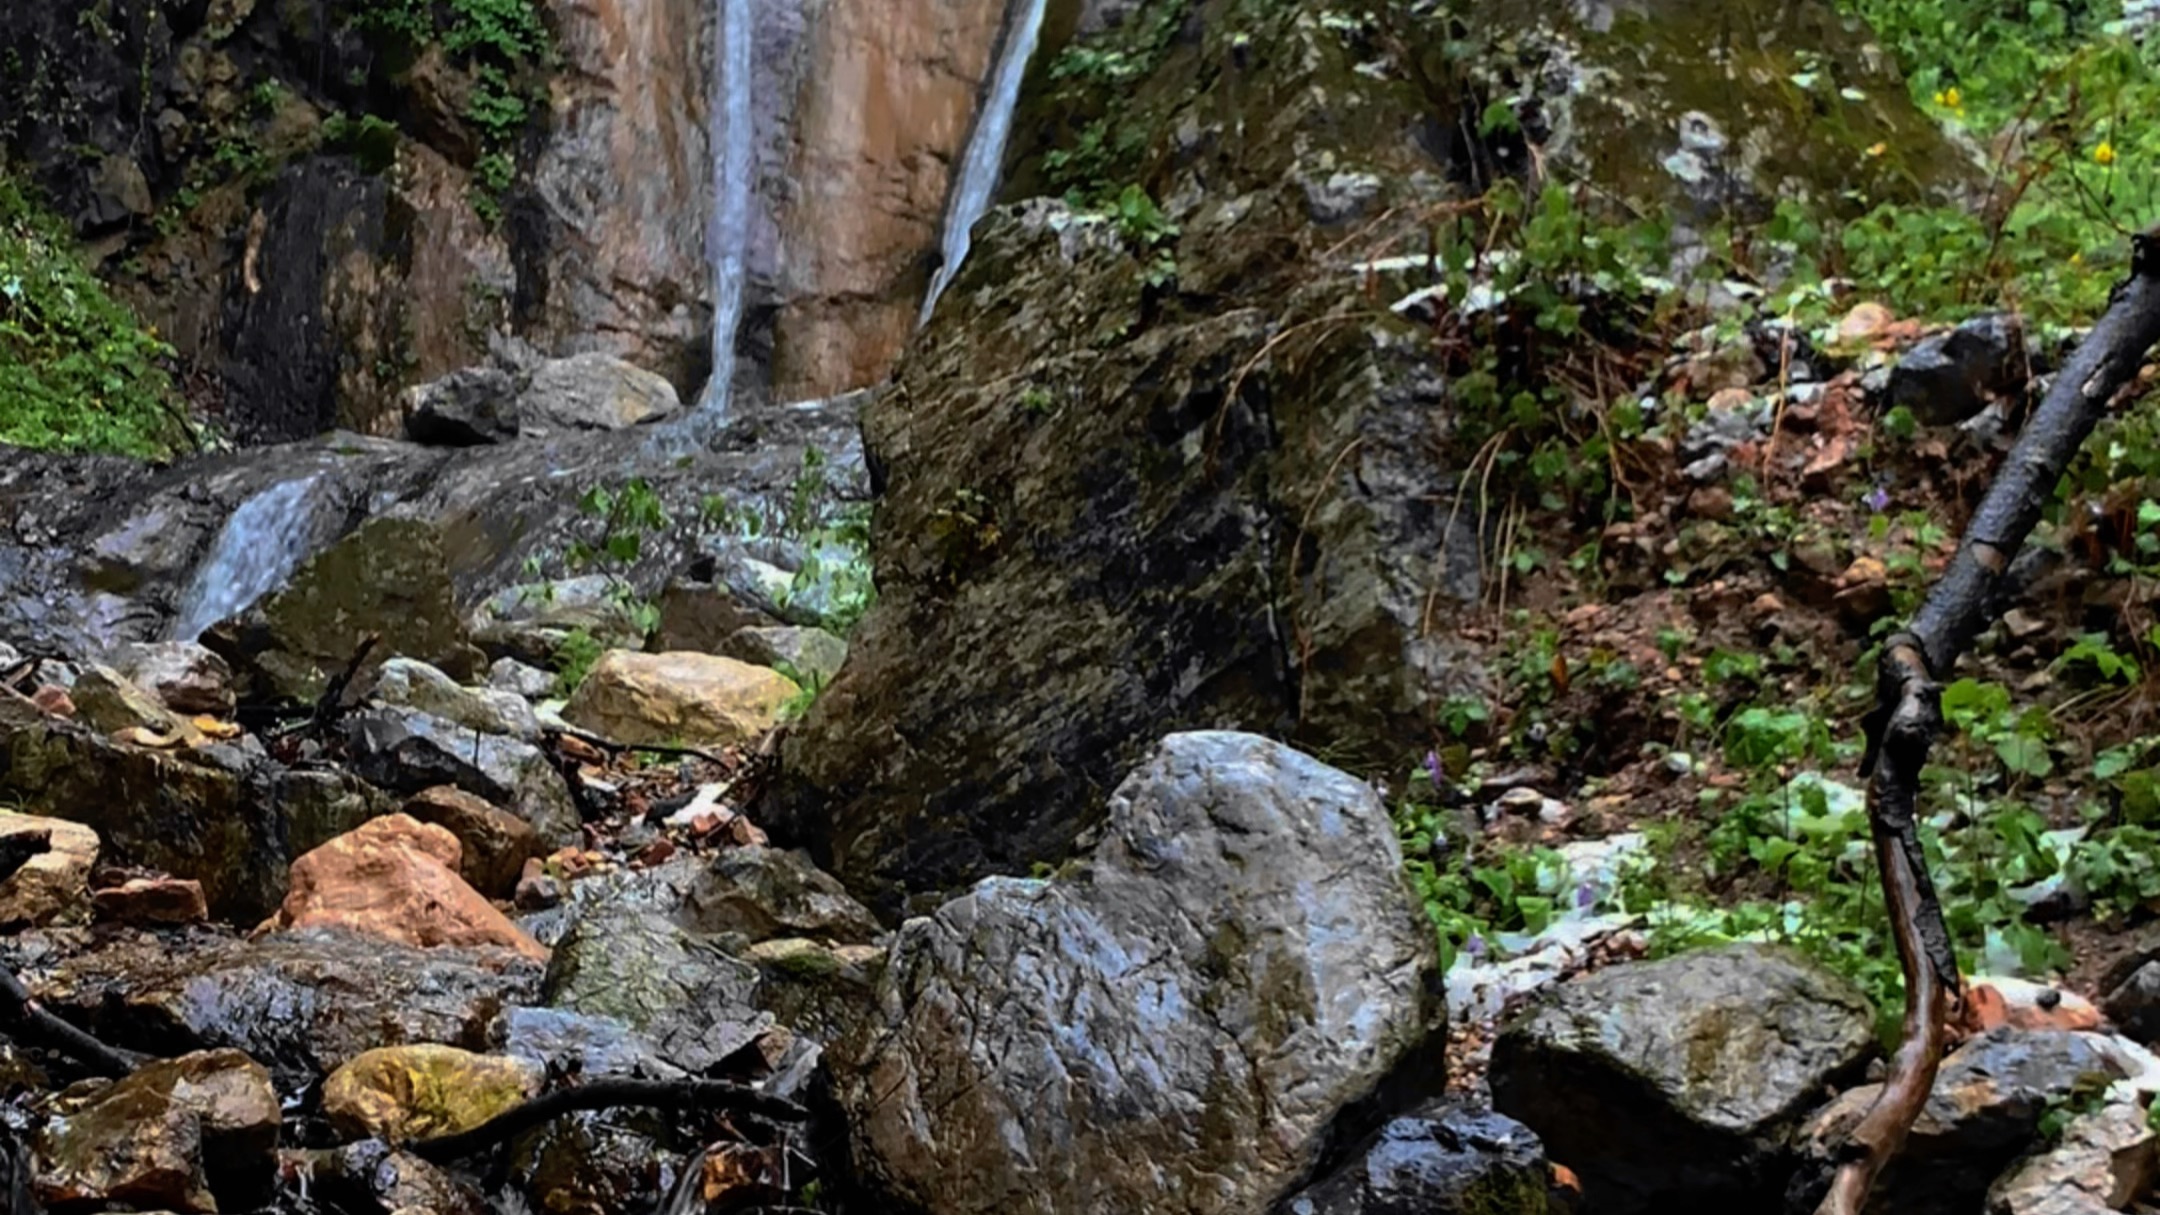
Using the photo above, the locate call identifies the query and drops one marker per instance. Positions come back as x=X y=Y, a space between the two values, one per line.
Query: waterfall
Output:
x=258 y=549
x=977 y=180
x=728 y=245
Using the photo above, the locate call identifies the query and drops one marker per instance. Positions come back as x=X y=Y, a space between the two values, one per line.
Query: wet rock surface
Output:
x=301 y=1003
x=1173 y=1025
x=694 y=1002
x=1984 y=1112
x=407 y=751
x=195 y=1133
x=1445 y=1158
x=1683 y=1080
x=402 y=1093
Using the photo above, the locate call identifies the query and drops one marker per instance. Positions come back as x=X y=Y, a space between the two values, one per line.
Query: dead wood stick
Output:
x=609 y=1094
x=615 y=748
x=1907 y=717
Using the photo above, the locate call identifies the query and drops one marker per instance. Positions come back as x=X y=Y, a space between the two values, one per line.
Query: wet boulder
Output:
x=694 y=1002
x=1950 y=377
x=196 y=1133
x=1447 y=1158
x=408 y=751
x=152 y=900
x=395 y=879
x=399 y=1094
x=1172 y=1026
x=1985 y=1111
x=301 y=1002
x=592 y=391
x=187 y=678
x=371 y=1176
x=405 y=683
x=493 y=844
x=388 y=579
x=826 y=993
x=679 y=698
x=763 y=893
x=1681 y=1081
x=109 y=703
x=467 y=408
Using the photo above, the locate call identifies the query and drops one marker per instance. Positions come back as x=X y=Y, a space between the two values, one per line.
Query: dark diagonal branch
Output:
x=608 y=1094
x=1907 y=717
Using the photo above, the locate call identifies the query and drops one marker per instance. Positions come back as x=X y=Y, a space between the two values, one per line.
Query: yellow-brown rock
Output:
x=699 y=700
x=52 y=883
x=396 y=878
x=425 y=1091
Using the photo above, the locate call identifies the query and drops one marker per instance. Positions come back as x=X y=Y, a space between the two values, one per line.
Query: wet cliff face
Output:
x=1187 y=456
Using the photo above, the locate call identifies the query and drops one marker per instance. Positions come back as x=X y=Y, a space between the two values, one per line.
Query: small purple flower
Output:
x=1475 y=946
x=1585 y=896
x=1433 y=769
x=1878 y=499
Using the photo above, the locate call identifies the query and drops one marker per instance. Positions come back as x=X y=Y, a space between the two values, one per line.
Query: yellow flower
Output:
x=1950 y=98
x=2104 y=154
x=1878 y=149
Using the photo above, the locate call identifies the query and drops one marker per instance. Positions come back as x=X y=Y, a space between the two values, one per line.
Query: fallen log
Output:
x=1907 y=717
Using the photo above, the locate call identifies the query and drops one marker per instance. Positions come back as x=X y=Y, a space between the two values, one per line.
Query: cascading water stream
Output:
x=260 y=546
x=977 y=180
x=728 y=245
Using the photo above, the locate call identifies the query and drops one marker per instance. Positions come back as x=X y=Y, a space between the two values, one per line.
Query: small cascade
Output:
x=263 y=542
x=733 y=131
x=976 y=182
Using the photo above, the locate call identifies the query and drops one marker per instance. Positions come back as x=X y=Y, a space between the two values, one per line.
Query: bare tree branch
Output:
x=1907 y=717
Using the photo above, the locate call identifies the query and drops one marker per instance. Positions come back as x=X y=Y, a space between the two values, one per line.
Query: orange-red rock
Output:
x=161 y=900
x=396 y=878
x=495 y=844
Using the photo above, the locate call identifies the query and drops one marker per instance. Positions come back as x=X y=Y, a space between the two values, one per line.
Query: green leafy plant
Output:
x=78 y=371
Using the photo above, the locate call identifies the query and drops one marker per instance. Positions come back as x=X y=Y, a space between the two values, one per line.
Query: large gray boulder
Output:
x=690 y=999
x=592 y=391
x=1679 y=1083
x=1174 y=1025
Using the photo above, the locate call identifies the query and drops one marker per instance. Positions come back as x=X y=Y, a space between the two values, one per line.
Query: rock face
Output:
x=694 y=699
x=1114 y=509
x=402 y=1093
x=895 y=88
x=1445 y=1159
x=1984 y=1112
x=615 y=253
x=1174 y=1026
x=396 y=879
x=197 y=1133
x=1681 y=1081
x=388 y=578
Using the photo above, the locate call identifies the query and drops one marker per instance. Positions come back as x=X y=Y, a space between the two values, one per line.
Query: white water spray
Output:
x=977 y=180
x=260 y=546
x=728 y=244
